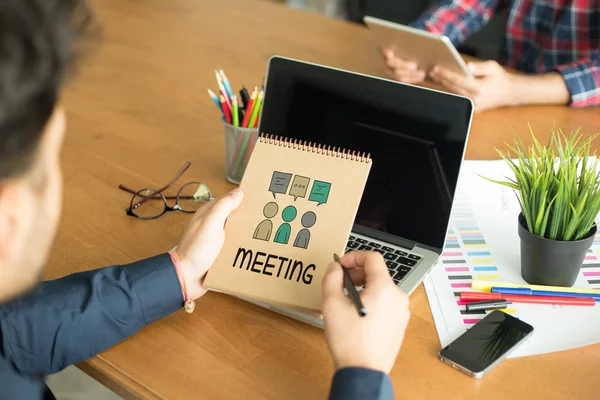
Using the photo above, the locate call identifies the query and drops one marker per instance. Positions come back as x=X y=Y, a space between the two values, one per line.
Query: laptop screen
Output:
x=416 y=138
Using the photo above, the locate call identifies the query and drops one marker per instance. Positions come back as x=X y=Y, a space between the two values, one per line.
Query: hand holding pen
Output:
x=372 y=341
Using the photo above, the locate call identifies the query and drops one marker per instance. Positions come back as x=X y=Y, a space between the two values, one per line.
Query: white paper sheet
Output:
x=483 y=243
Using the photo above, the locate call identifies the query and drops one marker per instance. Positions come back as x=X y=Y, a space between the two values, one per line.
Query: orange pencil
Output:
x=249 y=108
x=257 y=118
x=226 y=110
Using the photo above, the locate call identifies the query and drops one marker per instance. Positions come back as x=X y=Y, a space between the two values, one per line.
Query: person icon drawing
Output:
x=285 y=230
x=303 y=238
x=264 y=229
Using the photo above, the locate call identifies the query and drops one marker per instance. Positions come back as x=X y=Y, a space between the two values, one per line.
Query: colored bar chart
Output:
x=591 y=265
x=466 y=256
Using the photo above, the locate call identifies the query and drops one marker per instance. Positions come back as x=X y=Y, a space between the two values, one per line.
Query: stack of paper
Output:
x=483 y=243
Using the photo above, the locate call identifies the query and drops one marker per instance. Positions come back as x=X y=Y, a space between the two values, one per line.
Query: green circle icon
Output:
x=289 y=213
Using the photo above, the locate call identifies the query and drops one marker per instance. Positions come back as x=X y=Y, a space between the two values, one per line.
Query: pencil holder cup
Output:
x=239 y=143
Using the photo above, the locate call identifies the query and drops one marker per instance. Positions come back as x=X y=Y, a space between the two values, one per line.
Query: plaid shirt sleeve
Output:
x=457 y=19
x=583 y=81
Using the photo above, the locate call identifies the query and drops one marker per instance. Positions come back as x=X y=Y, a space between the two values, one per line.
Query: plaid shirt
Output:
x=541 y=36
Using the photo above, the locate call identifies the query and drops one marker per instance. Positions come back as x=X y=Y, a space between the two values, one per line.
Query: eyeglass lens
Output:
x=148 y=203
x=192 y=196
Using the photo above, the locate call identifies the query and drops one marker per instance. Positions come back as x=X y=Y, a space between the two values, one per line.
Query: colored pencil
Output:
x=224 y=94
x=244 y=153
x=249 y=109
x=240 y=139
x=251 y=144
x=236 y=121
x=219 y=79
x=488 y=285
x=529 y=292
x=222 y=89
x=226 y=110
x=255 y=109
x=226 y=83
x=257 y=119
x=215 y=99
x=573 y=301
x=241 y=111
x=238 y=148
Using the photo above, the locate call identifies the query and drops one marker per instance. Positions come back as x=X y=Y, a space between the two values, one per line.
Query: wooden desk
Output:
x=139 y=110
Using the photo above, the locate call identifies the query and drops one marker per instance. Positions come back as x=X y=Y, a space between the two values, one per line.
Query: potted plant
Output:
x=559 y=192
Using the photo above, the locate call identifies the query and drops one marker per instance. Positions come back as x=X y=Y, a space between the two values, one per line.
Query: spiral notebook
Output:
x=300 y=201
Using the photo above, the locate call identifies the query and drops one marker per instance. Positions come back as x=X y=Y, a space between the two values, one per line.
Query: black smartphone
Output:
x=488 y=342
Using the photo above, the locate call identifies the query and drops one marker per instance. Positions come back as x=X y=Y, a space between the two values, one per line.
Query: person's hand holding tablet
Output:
x=492 y=87
x=402 y=70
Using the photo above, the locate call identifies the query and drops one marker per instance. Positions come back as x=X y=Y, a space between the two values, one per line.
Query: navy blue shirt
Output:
x=68 y=320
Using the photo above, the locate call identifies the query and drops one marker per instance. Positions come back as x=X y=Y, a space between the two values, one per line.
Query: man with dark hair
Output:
x=46 y=327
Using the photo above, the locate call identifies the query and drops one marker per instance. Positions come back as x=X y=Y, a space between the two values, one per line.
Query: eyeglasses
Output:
x=151 y=203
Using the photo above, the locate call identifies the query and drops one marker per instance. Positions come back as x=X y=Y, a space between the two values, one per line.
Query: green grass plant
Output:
x=558 y=184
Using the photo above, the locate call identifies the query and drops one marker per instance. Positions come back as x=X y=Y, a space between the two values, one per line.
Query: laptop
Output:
x=416 y=137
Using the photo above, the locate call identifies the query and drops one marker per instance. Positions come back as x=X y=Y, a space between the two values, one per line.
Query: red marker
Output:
x=513 y=298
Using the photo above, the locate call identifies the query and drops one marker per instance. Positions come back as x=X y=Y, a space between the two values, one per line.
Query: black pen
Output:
x=362 y=311
x=486 y=305
x=244 y=96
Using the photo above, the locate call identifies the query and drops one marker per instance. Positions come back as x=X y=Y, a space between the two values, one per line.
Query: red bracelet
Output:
x=189 y=304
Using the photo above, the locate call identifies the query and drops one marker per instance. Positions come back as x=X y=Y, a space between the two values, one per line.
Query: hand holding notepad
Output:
x=300 y=204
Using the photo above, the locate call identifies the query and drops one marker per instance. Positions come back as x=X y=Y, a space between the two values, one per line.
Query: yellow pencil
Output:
x=488 y=285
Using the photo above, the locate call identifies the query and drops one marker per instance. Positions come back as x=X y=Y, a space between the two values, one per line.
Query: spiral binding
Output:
x=315 y=148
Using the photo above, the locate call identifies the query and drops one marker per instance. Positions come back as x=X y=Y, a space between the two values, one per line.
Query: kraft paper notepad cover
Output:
x=300 y=201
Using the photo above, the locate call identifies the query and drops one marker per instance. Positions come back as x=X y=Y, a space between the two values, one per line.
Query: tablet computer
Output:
x=425 y=48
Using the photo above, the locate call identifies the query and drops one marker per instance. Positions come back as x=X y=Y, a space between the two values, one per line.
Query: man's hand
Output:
x=491 y=87
x=203 y=239
x=372 y=341
x=402 y=70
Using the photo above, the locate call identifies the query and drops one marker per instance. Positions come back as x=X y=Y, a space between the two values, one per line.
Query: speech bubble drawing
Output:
x=320 y=192
x=279 y=183
x=299 y=187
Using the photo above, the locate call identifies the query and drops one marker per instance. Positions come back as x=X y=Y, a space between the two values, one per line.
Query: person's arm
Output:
x=361 y=384
x=457 y=19
x=494 y=86
x=69 y=320
x=582 y=78
x=546 y=88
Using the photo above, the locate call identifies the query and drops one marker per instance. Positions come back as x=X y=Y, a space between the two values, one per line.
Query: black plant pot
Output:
x=551 y=262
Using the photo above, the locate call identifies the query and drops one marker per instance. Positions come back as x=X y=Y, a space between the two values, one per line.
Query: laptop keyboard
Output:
x=399 y=262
